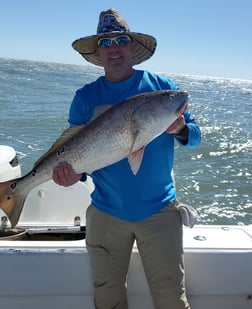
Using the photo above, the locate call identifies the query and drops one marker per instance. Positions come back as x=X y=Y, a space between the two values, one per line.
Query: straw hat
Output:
x=110 y=21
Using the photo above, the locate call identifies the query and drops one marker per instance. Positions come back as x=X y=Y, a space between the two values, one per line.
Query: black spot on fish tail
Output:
x=13 y=185
x=34 y=172
x=60 y=151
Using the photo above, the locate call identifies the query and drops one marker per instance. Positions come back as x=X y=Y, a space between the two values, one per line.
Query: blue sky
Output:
x=198 y=37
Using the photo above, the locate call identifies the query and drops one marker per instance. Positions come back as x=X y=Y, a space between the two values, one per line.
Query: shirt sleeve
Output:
x=79 y=113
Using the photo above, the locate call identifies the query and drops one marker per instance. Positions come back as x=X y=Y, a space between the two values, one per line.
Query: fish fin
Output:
x=11 y=200
x=135 y=157
x=135 y=160
x=69 y=133
x=66 y=136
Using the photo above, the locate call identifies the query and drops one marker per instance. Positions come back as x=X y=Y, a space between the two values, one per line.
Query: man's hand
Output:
x=64 y=174
x=177 y=125
x=179 y=129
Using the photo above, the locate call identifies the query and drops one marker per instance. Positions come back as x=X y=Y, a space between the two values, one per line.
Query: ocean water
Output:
x=215 y=178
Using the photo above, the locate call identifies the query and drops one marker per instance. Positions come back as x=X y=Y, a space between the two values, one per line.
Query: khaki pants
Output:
x=159 y=241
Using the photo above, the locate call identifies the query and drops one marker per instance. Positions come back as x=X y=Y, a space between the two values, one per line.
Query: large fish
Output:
x=121 y=131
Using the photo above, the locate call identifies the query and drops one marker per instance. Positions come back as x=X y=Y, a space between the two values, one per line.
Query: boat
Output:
x=44 y=261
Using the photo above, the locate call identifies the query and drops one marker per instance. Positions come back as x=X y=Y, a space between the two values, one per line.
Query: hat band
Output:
x=109 y=23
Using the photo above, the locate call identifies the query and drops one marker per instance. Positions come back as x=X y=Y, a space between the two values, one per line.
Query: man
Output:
x=127 y=208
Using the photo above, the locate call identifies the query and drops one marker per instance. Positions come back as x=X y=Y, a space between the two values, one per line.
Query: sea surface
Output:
x=215 y=178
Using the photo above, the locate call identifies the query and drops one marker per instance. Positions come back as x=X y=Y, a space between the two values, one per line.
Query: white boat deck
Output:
x=56 y=274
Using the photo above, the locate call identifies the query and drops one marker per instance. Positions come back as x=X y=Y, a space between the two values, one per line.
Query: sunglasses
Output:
x=120 y=40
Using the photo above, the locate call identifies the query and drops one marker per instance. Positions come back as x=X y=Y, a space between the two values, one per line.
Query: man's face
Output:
x=115 y=56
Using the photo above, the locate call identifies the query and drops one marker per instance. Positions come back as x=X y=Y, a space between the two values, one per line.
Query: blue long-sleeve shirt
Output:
x=117 y=191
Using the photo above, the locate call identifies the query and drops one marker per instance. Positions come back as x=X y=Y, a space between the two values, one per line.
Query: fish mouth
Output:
x=179 y=112
x=183 y=107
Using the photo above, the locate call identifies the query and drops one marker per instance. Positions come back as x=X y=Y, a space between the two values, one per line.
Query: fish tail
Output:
x=11 y=200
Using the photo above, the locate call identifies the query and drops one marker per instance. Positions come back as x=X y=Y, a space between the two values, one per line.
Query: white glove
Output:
x=188 y=214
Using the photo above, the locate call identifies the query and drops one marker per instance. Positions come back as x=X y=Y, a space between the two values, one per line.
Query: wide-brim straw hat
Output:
x=111 y=22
